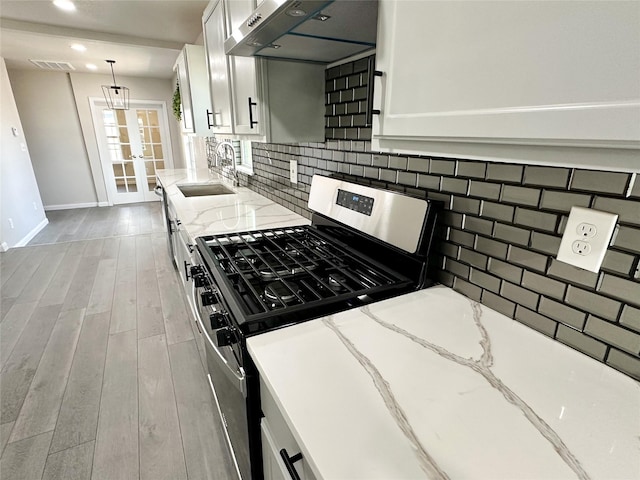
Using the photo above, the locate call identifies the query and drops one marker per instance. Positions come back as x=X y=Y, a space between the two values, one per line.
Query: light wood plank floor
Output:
x=100 y=376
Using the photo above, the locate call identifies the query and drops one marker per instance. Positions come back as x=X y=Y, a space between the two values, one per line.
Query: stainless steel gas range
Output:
x=363 y=245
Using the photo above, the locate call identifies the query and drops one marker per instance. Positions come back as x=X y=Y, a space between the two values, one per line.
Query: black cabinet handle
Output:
x=372 y=72
x=251 y=105
x=289 y=461
x=210 y=124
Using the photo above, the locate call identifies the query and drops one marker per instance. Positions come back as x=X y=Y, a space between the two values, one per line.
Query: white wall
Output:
x=19 y=194
x=52 y=129
x=61 y=136
x=86 y=85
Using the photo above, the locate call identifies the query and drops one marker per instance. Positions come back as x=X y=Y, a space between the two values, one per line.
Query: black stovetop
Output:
x=270 y=278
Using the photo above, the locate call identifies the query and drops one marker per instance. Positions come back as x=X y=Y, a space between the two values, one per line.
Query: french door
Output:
x=133 y=144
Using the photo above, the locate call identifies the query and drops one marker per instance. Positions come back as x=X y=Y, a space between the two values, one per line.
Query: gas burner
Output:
x=285 y=267
x=243 y=259
x=292 y=251
x=337 y=281
x=280 y=292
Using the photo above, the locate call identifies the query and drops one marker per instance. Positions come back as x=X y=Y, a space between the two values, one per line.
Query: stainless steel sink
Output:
x=203 y=190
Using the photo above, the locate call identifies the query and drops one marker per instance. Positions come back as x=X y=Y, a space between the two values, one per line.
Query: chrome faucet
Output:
x=228 y=146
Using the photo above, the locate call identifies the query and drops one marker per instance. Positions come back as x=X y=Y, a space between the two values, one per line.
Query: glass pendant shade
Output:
x=116 y=96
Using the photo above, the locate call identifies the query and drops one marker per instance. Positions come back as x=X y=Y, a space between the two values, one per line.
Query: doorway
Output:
x=132 y=144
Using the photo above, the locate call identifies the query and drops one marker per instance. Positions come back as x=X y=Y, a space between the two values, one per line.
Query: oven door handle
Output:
x=238 y=377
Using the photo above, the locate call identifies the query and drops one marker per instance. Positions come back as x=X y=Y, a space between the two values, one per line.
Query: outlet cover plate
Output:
x=293 y=171
x=604 y=224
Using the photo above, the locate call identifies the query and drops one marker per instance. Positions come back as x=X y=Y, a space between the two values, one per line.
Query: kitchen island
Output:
x=434 y=385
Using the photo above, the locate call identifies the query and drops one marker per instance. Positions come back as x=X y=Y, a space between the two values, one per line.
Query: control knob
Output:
x=198 y=276
x=225 y=337
x=218 y=320
x=208 y=298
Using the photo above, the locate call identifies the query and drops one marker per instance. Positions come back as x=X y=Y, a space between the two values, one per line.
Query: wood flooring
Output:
x=100 y=376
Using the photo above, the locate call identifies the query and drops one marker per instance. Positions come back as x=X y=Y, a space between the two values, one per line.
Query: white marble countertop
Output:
x=208 y=215
x=434 y=385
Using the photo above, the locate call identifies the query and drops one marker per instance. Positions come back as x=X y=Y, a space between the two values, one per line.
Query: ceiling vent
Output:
x=52 y=65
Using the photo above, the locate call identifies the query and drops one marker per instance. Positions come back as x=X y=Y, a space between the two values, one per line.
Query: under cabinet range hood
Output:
x=307 y=30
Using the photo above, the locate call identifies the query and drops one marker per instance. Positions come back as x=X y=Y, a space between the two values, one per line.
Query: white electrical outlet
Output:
x=11 y=223
x=586 y=238
x=293 y=171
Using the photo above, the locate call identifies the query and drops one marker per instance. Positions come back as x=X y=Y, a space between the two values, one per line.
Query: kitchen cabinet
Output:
x=182 y=251
x=474 y=77
x=275 y=437
x=258 y=99
x=191 y=70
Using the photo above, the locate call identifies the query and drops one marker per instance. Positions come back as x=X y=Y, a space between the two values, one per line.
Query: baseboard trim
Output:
x=29 y=236
x=69 y=206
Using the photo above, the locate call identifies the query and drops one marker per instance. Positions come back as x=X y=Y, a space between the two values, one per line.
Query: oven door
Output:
x=227 y=379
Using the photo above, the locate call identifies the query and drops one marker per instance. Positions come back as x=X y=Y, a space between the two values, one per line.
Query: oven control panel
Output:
x=355 y=201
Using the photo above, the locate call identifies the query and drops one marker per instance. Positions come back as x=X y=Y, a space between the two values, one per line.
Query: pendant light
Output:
x=116 y=96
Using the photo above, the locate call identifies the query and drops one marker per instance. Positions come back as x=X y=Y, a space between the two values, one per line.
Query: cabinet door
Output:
x=244 y=73
x=526 y=72
x=196 y=64
x=214 y=35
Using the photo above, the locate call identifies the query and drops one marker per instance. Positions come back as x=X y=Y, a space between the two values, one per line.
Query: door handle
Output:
x=252 y=122
x=289 y=461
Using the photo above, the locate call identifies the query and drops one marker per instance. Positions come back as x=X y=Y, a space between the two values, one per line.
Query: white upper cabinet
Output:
x=559 y=73
x=244 y=74
x=191 y=70
x=219 y=86
x=258 y=99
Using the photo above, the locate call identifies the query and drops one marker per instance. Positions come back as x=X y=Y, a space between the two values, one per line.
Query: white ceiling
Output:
x=142 y=36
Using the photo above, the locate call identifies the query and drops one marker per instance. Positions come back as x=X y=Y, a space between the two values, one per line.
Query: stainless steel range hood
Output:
x=311 y=30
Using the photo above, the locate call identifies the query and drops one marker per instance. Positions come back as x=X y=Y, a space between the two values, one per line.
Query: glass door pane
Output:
x=133 y=144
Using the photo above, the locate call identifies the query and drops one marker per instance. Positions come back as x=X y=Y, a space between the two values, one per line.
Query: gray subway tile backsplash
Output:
x=520 y=295
x=582 y=342
x=504 y=172
x=628 y=238
x=444 y=167
x=490 y=207
x=628 y=210
x=536 y=321
x=505 y=270
x=613 y=335
x=482 y=189
x=546 y=176
x=536 y=219
x=630 y=318
x=624 y=362
x=520 y=195
x=511 y=234
x=562 y=313
x=571 y=274
x=497 y=211
x=595 y=181
x=592 y=302
x=543 y=284
x=471 y=169
x=498 y=303
x=616 y=287
x=563 y=201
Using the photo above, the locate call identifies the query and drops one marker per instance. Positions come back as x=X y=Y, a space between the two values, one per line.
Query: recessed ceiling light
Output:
x=78 y=47
x=296 y=12
x=65 y=5
x=91 y=66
